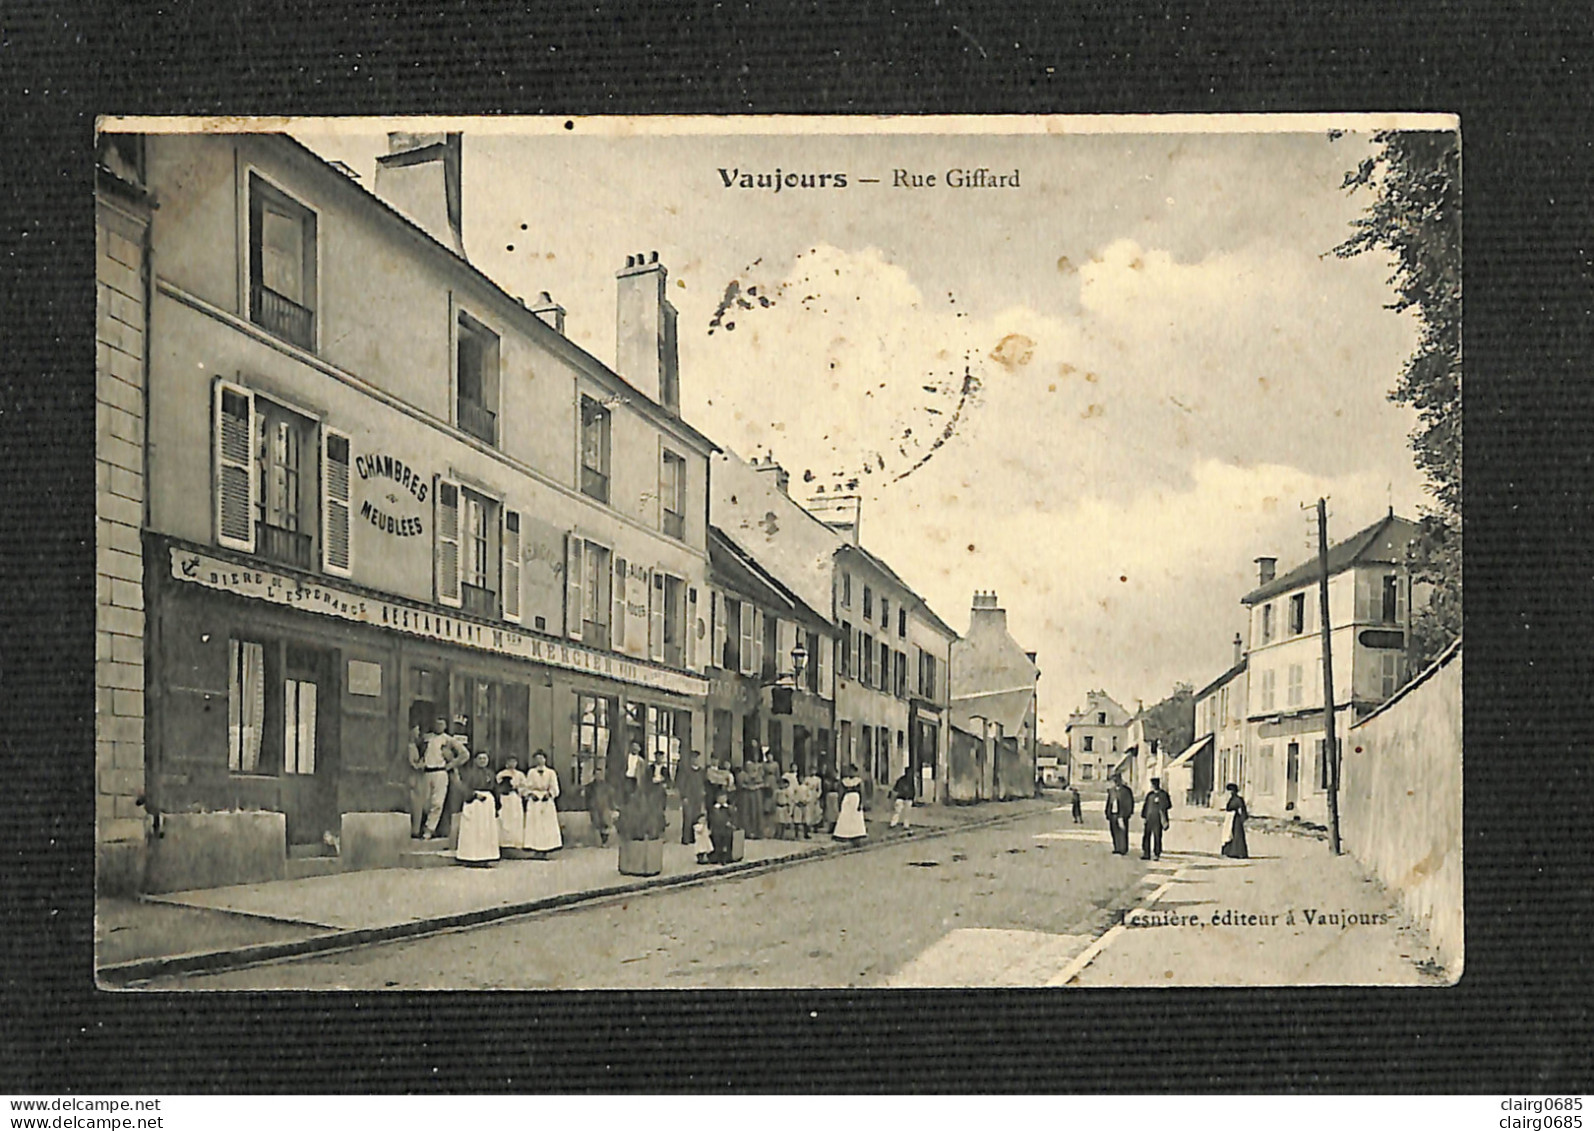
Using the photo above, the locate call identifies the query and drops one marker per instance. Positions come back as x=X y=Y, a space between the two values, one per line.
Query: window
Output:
x=868 y=603
x=1293 y=695
x=902 y=622
x=667 y=732
x=1297 y=614
x=866 y=657
x=1267 y=690
x=511 y=565
x=846 y=590
x=478 y=545
x=811 y=665
x=1115 y=744
x=1090 y=744
x=1223 y=707
x=1101 y=718
x=1267 y=622
x=771 y=666
x=901 y=684
x=885 y=612
x=846 y=650
x=1392 y=602
x=672 y=494
x=1265 y=769
x=749 y=662
x=886 y=682
x=592 y=737
x=594 y=450
x=1087 y=772
x=285 y=500
x=596 y=600
x=671 y=591
x=731 y=653
x=282 y=276
x=298 y=727
x=477 y=380
x=1389 y=673
x=246 y=705
x=927 y=675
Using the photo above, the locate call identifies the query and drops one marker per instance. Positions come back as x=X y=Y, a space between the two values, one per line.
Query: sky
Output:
x=1101 y=393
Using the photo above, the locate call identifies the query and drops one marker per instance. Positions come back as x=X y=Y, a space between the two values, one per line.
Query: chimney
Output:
x=645 y=353
x=1265 y=569
x=550 y=312
x=1239 y=650
x=419 y=176
x=987 y=612
x=839 y=511
x=766 y=465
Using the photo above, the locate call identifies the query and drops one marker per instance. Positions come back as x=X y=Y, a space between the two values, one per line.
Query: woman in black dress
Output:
x=1234 y=825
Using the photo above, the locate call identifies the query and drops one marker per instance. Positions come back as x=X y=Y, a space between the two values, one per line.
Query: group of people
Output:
x=1155 y=810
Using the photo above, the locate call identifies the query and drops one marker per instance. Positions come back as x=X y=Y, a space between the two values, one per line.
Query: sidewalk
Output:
x=1291 y=915
x=215 y=927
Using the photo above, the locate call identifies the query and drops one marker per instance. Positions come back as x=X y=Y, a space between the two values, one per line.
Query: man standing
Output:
x=689 y=784
x=441 y=754
x=1120 y=807
x=1154 y=813
x=1073 y=795
x=902 y=800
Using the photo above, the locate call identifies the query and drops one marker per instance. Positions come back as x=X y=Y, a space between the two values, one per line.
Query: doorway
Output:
x=309 y=732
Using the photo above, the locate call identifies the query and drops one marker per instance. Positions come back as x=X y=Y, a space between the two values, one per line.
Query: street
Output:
x=855 y=920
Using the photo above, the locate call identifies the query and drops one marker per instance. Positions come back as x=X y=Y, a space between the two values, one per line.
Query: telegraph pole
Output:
x=1330 y=744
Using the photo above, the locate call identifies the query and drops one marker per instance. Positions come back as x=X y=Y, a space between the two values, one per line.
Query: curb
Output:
x=122 y=975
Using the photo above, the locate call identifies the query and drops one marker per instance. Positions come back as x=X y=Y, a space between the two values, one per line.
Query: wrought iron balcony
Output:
x=283 y=317
x=279 y=544
x=479 y=602
x=478 y=420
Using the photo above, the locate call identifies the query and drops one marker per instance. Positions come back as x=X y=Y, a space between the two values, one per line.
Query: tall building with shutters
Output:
x=381 y=489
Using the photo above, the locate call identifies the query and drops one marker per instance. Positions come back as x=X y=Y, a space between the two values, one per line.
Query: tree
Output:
x=1415 y=216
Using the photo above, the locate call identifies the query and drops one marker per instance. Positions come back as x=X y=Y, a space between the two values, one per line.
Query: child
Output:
x=701 y=839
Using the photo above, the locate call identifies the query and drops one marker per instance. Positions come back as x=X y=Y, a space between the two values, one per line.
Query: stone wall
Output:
x=119 y=815
x=1400 y=806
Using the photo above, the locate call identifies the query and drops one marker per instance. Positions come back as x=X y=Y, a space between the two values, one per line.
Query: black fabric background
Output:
x=1519 y=76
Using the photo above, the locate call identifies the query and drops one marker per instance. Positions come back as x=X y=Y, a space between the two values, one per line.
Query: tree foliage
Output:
x=1415 y=217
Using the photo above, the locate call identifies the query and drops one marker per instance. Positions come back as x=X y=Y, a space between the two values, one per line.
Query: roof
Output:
x=1384 y=541
x=1092 y=698
x=919 y=602
x=1221 y=680
x=740 y=567
x=540 y=328
x=1189 y=751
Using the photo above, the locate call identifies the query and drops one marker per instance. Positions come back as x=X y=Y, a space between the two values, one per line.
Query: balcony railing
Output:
x=675 y=525
x=283 y=317
x=478 y=420
x=282 y=545
x=595 y=484
x=479 y=602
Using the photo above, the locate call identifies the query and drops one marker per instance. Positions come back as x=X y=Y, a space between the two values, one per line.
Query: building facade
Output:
x=1369 y=593
x=1097 y=736
x=381 y=489
x=1220 y=730
x=994 y=696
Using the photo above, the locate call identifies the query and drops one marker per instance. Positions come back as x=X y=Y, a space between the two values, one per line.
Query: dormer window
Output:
x=282 y=277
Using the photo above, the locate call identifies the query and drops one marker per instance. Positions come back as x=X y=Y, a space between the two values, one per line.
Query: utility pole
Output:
x=1330 y=744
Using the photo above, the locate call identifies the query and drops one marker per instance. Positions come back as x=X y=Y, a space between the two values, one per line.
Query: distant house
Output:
x=1369 y=589
x=1217 y=755
x=994 y=697
x=1096 y=735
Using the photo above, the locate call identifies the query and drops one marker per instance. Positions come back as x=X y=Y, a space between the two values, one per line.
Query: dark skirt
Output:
x=1235 y=845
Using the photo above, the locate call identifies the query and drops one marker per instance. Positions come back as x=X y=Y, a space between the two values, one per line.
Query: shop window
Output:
x=298 y=726
x=669 y=732
x=282 y=262
x=672 y=494
x=594 y=450
x=477 y=380
x=592 y=738
x=246 y=705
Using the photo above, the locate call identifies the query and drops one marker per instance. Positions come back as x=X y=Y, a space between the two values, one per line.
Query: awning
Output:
x=1189 y=752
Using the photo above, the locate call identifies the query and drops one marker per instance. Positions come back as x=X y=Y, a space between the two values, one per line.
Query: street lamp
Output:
x=799 y=660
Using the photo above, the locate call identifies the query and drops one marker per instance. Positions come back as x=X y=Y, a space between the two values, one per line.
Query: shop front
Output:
x=924 y=752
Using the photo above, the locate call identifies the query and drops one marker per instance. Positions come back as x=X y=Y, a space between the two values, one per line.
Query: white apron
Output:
x=511 y=821
x=542 y=818
x=478 y=831
x=849 y=823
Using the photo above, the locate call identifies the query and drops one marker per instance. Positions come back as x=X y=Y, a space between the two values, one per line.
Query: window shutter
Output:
x=449 y=563
x=620 y=570
x=337 y=554
x=575 y=570
x=656 y=616
x=1400 y=600
x=717 y=616
x=746 y=651
x=511 y=565
x=690 y=624
x=235 y=467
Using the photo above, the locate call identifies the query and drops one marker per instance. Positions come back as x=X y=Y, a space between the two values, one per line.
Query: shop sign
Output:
x=375 y=465
x=259 y=584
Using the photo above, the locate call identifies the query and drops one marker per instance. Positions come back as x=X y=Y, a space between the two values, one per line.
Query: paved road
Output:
x=854 y=920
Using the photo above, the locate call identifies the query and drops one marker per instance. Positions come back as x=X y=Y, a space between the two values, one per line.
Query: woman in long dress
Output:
x=511 y=805
x=849 y=821
x=813 y=804
x=1234 y=825
x=542 y=817
x=478 y=816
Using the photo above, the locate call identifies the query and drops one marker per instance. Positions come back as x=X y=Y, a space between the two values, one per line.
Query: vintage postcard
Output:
x=704 y=553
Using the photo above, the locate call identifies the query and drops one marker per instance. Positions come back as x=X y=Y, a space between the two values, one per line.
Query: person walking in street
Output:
x=689 y=783
x=542 y=816
x=1233 y=843
x=1073 y=797
x=478 y=817
x=1154 y=819
x=902 y=800
x=1120 y=807
x=849 y=821
x=439 y=755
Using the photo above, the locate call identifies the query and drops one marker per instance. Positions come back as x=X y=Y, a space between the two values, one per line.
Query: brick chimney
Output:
x=645 y=350
x=839 y=510
x=1265 y=569
x=987 y=612
x=766 y=465
x=550 y=312
x=419 y=176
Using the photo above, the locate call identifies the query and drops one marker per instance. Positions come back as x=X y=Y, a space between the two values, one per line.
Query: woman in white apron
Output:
x=542 y=817
x=511 y=805
x=478 y=817
x=849 y=822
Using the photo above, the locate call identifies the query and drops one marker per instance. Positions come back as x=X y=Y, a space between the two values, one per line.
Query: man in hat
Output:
x=1120 y=807
x=1154 y=814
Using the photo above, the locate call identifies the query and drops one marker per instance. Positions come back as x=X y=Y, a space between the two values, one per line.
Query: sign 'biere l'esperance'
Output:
x=276 y=588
